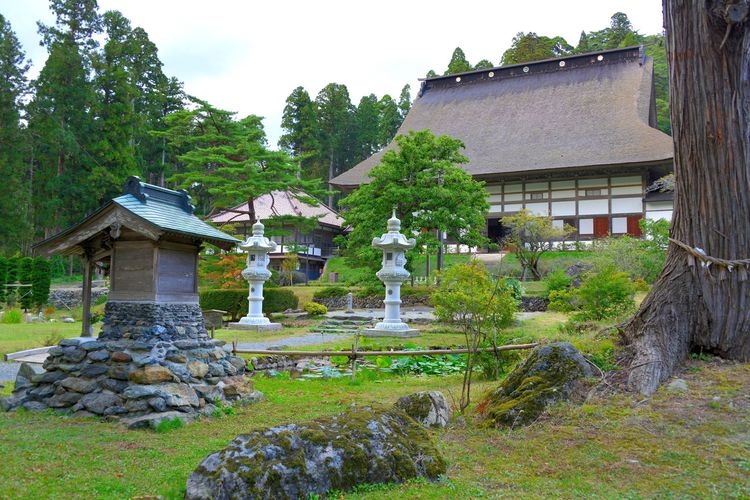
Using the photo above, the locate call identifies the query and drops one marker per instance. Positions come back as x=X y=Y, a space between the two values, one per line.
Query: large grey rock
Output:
x=100 y=355
x=298 y=460
x=81 y=385
x=48 y=377
x=64 y=400
x=431 y=409
x=99 y=402
x=173 y=394
x=24 y=377
x=550 y=374
x=92 y=371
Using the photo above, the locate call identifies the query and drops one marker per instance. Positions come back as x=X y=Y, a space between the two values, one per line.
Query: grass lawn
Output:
x=692 y=444
x=669 y=445
x=29 y=335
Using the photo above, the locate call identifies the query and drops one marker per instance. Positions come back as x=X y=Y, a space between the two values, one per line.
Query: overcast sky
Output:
x=247 y=56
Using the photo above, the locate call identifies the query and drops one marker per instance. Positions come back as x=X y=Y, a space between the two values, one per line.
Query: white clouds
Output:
x=248 y=56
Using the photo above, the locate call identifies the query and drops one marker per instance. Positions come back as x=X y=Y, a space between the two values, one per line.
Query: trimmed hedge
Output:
x=234 y=301
x=330 y=292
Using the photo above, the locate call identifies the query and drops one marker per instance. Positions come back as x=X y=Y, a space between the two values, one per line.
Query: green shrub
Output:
x=605 y=294
x=515 y=288
x=640 y=285
x=315 y=309
x=25 y=295
x=371 y=290
x=641 y=258
x=277 y=300
x=493 y=365
x=41 y=278
x=3 y=277
x=561 y=300
x=556 y=281
x=229 y=300
x=330 y=292
x=234 y=301
x=12 y=317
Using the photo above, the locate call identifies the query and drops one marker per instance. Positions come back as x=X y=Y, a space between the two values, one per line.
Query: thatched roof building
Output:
x=586 y=116
x=576 y=112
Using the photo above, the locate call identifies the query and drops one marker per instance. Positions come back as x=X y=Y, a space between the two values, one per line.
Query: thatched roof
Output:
x=590 y=110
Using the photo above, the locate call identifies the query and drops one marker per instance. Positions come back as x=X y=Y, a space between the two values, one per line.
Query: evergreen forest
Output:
x=102 y=109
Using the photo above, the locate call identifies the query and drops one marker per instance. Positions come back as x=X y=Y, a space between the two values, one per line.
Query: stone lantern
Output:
x=392 y=274
x=256 y=273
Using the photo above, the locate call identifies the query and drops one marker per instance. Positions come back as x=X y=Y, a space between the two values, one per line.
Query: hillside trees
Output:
x=527 y=47
x=225 y=161
x=329 y=135
x=14 y=210
x=90 y=114
x=699 y=303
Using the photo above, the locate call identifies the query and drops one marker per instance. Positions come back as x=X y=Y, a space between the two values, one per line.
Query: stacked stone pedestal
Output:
x=139 y=372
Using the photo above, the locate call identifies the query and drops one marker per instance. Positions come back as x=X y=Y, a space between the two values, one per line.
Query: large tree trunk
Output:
x=694 y=307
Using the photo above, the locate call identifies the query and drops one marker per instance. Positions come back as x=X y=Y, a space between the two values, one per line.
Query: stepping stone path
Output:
x=341 y=326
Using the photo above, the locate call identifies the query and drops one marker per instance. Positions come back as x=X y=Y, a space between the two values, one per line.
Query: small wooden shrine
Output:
x=148 y=240
x=153 y=359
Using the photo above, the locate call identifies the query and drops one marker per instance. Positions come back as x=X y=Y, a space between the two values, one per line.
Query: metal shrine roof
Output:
x=145 y=208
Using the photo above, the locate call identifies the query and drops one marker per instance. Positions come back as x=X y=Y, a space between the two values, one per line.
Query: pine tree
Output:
x=226 y=160
x=458 y=63
x=404 y=101
x=300 y=139
x=367 y=119
x=390 y=119
x=60 y=123
x=129 y=81
x=336 y=130
x=15 y=203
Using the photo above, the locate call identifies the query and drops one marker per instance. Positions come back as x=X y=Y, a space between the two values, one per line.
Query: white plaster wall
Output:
x=593 y=207
x=585 y=226
x=561 y=208
x=659 y=214
x=538 y=208
x=627 y=205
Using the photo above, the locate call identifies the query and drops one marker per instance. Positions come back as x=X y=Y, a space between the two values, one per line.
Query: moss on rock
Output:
x=366 y=445
x=548 y=375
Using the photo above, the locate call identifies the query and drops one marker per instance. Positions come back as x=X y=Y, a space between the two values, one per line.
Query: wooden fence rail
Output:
x=360 y=354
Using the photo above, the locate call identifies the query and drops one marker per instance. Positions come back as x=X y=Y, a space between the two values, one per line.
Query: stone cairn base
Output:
x=141 y=381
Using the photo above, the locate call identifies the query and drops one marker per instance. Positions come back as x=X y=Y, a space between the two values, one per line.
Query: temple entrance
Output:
x=496 y=232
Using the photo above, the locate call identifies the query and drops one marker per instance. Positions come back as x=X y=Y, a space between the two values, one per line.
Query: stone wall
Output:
x=146 y=320
x=374 y=302
x=140 y=382
x=528 y=304
x=68 y=298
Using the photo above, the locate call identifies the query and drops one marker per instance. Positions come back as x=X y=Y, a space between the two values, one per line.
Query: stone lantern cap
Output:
x=393 y=239
x=258 y=242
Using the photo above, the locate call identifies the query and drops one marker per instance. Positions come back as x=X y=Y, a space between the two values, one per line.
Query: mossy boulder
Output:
x=361 y=446
x=430 y=408
x=550 y=374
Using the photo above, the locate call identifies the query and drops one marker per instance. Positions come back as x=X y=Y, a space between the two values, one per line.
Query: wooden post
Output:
x=354 y=356
x=86 y=299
